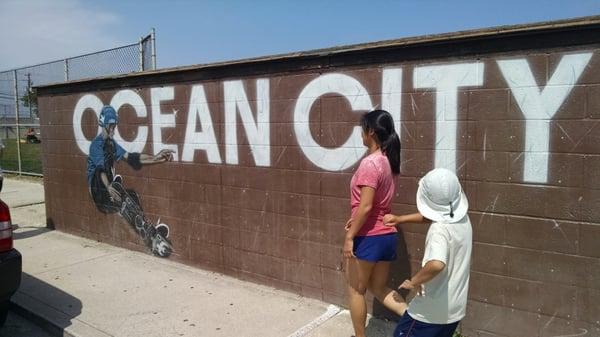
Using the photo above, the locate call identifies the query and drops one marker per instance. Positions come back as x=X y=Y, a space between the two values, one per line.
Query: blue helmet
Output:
x=108 y=115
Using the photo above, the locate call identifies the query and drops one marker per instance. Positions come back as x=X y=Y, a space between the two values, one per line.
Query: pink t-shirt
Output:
x=374 y=171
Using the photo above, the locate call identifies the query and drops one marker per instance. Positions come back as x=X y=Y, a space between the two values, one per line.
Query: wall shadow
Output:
x=45 y=305
x=33 y=231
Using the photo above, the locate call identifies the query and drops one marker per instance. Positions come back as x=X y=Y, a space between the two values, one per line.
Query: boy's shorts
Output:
x=376 y=247
x=410 y=327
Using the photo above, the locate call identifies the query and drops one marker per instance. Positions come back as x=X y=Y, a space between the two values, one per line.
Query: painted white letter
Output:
x=446 y=79
x=349 y=153
x=88 y=101
x=391 y=94
x=160 y=120
x=205 y=139
x=130 y=97
x=258 y=133
x=539 y=107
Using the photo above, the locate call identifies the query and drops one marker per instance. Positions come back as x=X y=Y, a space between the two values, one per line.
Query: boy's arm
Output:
x=436 y=257
x=393 y=220
x=427 y=273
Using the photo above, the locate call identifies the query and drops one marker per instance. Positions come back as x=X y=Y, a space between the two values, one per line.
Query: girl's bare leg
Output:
x=358 y=273
x=378 y=286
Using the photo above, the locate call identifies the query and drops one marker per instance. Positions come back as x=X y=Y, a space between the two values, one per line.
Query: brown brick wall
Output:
x=536 y=258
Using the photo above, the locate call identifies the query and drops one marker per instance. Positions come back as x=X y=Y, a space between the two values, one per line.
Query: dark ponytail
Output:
x=391 y=148
x=382 y=124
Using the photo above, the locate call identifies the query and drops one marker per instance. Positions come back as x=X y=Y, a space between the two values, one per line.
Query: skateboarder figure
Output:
x=106 y=188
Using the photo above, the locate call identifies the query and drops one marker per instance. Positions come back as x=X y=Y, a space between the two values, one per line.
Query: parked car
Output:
x=10 y=260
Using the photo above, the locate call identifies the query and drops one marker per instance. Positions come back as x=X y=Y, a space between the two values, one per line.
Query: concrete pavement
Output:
x=79 y=287
x=17 y=192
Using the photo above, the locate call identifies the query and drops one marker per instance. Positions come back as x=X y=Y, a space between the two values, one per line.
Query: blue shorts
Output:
x=410 y=327
x=376 y=247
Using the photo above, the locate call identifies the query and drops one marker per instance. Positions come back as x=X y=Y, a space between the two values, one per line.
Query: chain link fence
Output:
x=20 y=138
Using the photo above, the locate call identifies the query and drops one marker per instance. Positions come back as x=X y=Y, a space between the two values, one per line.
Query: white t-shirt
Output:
x=444 y=298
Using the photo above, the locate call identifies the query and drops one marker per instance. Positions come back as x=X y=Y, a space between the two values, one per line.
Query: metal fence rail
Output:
x=19 y=123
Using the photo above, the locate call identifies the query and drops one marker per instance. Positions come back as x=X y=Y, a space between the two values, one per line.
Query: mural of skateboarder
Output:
x=107 y=189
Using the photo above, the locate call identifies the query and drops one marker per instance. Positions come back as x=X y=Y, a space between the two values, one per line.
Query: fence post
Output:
x=66 y=70
x=29 y=102
x=17 y=120
x=153 y=36
x=141 y=50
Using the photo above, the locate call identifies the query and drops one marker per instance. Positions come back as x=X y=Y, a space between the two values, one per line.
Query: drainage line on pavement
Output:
x=31 y=204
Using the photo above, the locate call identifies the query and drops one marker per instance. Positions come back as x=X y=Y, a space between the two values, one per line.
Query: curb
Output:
x=53 y=321
x=43 y=322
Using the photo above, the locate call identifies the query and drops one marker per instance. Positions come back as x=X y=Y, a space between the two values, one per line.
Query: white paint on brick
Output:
x=88 y=101
x=205 y=138
x=540 y=106
x=162 y=120
x=131 y=98
x=391 y=95
x=352 y=150
x=257 y=131
x=446 y=79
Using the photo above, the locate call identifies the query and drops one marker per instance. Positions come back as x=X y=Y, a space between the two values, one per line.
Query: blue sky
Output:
x=192 y=32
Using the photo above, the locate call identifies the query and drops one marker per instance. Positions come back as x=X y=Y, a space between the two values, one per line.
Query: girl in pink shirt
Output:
x=369 y=245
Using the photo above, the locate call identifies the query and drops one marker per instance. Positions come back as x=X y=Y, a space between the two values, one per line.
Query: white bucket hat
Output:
x=440 y=197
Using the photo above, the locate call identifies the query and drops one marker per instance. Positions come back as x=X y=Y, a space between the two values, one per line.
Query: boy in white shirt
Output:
x=442 y=284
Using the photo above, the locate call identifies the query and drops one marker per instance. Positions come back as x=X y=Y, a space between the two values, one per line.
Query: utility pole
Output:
x=141 y=53
x=153 y=37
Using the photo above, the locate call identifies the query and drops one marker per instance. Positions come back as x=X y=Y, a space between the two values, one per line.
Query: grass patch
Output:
x=31 y=157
